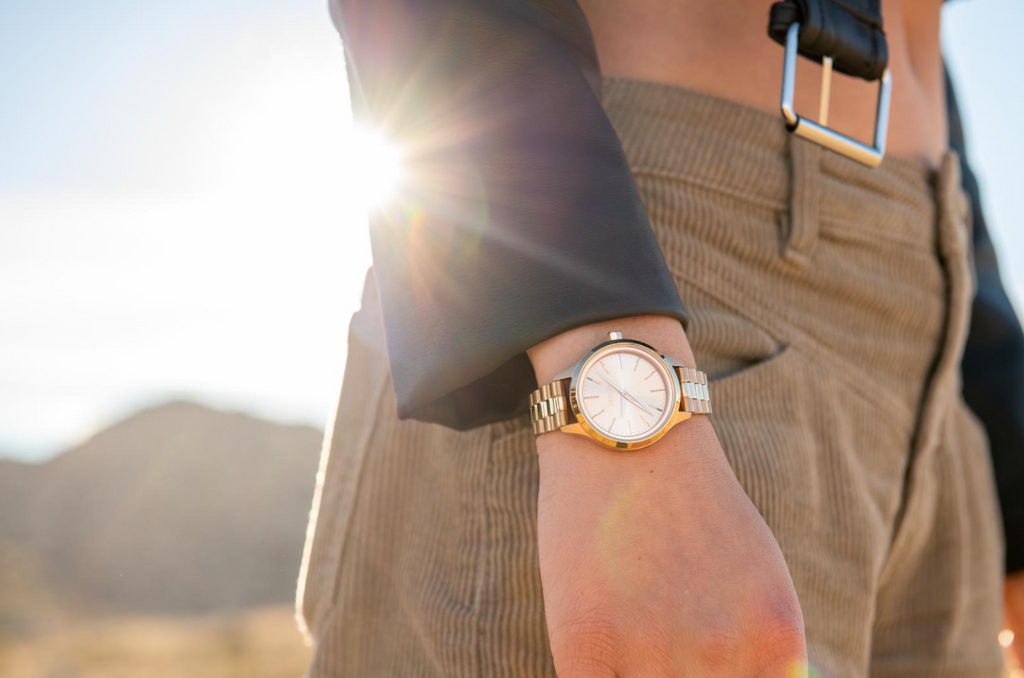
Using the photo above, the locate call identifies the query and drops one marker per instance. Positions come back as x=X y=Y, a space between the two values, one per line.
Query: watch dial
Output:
x=625 y=393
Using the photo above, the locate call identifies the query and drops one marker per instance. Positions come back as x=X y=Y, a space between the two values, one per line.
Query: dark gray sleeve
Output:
x=993 y=363
x=519 y=218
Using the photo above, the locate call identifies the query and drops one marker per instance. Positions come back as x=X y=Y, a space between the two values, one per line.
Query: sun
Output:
x=375 y=166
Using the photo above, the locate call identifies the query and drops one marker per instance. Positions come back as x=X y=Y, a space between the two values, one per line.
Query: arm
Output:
x=521 y=229
x=994 y=361
x=520 y=218
x=994 y=381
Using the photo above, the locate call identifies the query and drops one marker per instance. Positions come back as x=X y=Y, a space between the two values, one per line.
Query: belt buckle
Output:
x=819 y=132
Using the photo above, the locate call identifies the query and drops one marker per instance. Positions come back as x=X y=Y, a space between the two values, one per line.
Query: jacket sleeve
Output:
x=993 y=364
x=518 y=217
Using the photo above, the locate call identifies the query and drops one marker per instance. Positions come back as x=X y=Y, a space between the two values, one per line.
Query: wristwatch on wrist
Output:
x=623 y=394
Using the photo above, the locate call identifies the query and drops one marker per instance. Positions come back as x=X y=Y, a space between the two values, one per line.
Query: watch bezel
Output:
x=597 y=353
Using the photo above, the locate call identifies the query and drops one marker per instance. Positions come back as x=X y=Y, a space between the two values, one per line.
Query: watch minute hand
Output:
x=626 y=396
x=619 y=390
x=637 y=403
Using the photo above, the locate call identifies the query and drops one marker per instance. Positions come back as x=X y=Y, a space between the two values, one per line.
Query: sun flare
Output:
x=375 y=166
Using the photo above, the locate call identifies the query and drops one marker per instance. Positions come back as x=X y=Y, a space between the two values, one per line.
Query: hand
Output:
x=654 y=562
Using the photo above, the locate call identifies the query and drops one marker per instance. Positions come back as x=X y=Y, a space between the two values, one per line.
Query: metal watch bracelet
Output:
x=549 y=404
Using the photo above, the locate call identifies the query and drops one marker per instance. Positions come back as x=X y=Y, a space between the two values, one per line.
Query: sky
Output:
x=182 y=202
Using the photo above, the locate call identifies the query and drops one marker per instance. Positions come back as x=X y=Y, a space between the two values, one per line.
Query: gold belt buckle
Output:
x=819 y=132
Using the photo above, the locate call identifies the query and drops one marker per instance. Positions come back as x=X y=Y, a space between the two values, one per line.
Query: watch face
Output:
x=626 y=393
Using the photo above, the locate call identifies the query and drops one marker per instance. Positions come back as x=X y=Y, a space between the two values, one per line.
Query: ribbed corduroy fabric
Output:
x=829 y=303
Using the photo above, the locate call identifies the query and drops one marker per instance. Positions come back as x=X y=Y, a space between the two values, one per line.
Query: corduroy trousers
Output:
x=829 y=304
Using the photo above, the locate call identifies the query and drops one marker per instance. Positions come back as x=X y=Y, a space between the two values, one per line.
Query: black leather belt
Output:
x=845 y=35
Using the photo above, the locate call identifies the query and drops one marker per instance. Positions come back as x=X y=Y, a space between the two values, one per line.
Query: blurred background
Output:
x=182 y=242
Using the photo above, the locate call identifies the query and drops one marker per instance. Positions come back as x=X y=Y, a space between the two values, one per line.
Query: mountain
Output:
x=178 y=509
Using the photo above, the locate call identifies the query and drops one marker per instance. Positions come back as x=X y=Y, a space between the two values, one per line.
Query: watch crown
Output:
x=614 y=335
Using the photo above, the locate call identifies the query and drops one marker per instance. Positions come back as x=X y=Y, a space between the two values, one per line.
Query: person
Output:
x=608 y=175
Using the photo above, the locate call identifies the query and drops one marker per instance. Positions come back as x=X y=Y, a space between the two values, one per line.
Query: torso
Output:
x=722 y=48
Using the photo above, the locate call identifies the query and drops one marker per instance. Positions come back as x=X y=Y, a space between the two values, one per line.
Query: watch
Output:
x=623 y=394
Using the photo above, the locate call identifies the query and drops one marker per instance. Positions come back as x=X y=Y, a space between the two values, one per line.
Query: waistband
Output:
x=673 y=132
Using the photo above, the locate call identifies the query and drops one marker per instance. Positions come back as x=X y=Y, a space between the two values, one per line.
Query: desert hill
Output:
x=177 y=509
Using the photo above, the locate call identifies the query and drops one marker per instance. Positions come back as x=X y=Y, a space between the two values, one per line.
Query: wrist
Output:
x=688 y=455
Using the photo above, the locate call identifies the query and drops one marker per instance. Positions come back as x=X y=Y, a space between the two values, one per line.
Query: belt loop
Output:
x=800 y=227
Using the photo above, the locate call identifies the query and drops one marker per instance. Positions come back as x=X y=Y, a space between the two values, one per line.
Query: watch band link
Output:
x=549 y=404
x=695 y=397
x=549 y=407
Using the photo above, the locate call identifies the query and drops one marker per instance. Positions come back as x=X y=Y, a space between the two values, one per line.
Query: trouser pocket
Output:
x=346 y=440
